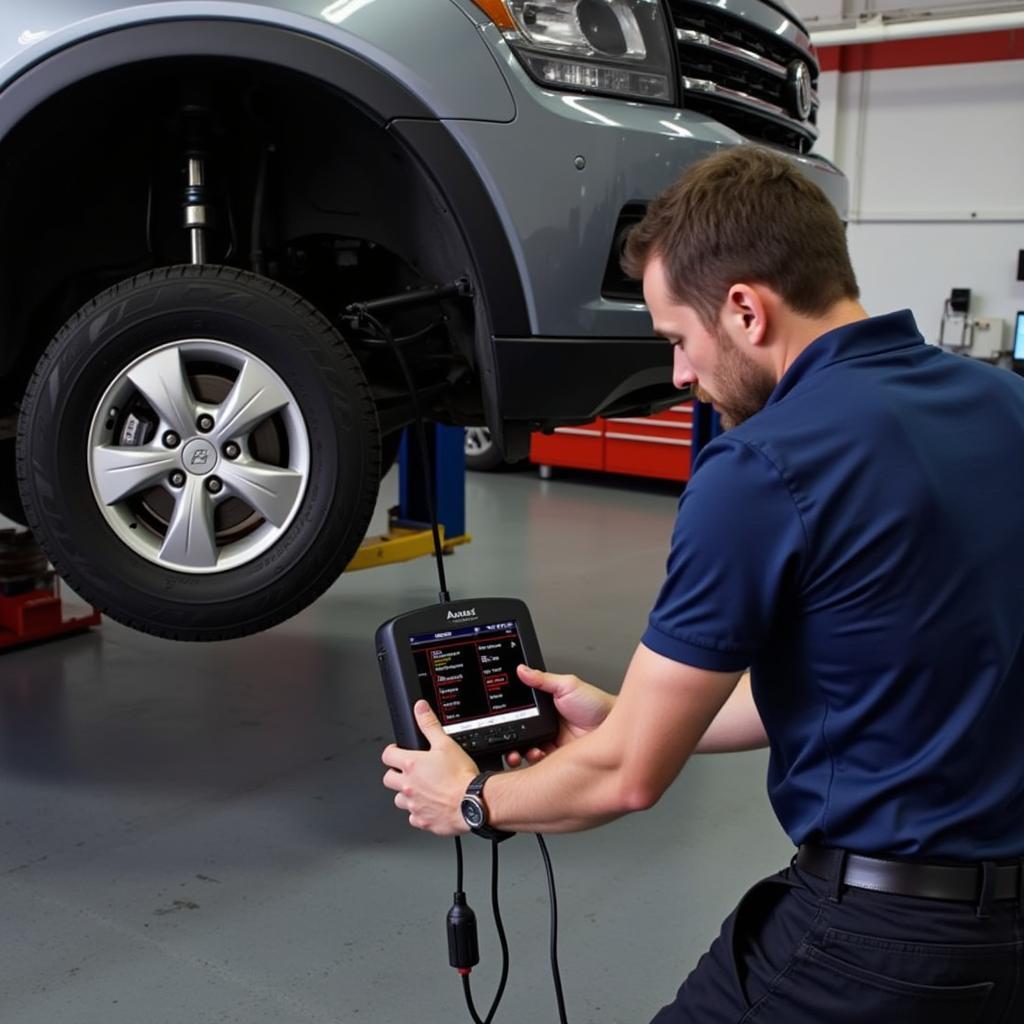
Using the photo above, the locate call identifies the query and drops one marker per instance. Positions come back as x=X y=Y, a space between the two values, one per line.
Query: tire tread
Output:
x=267 y=288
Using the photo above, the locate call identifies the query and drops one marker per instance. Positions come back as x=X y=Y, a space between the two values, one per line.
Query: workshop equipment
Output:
x=31 y=606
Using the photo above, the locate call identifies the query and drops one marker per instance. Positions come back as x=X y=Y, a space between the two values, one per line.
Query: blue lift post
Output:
x=409 y=535
x=446 y=455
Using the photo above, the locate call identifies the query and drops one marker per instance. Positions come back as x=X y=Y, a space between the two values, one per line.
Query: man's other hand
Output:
x=581 y=706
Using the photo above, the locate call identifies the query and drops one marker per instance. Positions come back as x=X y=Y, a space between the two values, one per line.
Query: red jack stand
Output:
x=31 y=608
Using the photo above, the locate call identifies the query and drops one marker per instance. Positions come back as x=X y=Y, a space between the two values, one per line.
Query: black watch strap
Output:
x=485 y=831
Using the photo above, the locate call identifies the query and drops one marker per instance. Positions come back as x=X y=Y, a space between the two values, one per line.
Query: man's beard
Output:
x=743 y=385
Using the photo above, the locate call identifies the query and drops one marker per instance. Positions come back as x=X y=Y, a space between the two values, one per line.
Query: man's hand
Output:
x=429 y=784
x=581 y=706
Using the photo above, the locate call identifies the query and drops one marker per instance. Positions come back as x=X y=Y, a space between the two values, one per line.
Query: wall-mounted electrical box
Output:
x=955 y=325
x=988 y=338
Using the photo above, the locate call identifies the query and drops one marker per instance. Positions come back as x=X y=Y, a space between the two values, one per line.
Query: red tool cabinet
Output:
x=655 y=446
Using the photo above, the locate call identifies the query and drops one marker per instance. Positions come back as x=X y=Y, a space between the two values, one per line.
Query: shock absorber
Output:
x=195 y=206
x=197 y=128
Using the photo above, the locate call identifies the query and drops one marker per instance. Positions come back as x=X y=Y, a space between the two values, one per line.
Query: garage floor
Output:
x=197 y=833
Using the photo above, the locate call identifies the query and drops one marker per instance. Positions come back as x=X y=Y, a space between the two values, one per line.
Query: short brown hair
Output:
x=747 y=214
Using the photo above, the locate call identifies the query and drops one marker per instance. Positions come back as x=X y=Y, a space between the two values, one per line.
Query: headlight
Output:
x=608 y=46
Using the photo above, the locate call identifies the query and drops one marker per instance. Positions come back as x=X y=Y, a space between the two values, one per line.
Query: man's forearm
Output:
x=574 y=788
x=626 y=763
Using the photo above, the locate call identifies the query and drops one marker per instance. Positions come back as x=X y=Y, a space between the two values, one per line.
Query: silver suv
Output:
x=218 y=221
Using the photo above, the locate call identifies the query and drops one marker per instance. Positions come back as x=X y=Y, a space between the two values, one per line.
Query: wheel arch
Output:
x=374 y=90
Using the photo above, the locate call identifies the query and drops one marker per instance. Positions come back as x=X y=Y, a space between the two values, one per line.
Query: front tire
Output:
x=198 y=453
x=10 y=499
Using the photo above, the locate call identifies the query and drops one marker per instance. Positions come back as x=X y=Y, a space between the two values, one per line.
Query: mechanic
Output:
x=855 y=539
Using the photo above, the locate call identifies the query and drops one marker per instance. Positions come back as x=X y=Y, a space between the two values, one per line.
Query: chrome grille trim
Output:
x=702 y=85
x=707 y=42
x=740 y=62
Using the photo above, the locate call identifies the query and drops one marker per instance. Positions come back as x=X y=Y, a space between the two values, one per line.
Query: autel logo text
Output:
x=469 y=613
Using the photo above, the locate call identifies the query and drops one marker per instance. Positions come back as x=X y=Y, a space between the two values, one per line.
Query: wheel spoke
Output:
x=161 y=378
x=478 y=439
x=270 y=490
x=256 y=395
x=120 y=472
x=190 y=538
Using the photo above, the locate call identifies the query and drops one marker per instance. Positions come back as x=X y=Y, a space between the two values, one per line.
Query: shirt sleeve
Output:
x=737 y=547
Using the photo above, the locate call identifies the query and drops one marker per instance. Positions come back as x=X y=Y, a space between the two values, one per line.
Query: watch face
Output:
x=472 y=811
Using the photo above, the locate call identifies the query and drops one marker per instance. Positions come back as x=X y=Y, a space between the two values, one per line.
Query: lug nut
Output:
x=231 y=450
x=205 y=423
x=177 y=478
x=213 y=485
x=171 y=439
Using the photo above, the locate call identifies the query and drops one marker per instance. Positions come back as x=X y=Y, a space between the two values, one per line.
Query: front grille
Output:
x=745 y=73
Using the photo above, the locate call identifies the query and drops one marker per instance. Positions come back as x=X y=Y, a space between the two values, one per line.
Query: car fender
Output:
x=381 y=83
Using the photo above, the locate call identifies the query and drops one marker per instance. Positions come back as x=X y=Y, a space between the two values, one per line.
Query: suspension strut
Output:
x=195 y=208
x=196 y=122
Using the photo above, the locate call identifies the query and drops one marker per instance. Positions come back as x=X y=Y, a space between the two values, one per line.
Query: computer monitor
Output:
x=1018 y=339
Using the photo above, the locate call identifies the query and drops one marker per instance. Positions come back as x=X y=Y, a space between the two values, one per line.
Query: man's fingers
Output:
x=428 y=723
x=394 y=756
x=514 y=759
x=554 y=683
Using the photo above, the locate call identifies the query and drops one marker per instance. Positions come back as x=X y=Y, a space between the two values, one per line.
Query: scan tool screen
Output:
x=469 y=676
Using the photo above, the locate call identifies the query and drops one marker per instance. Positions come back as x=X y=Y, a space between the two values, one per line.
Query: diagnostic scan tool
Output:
x=462 y=657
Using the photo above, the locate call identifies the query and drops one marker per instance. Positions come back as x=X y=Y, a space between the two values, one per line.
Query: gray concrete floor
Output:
x=197 y=833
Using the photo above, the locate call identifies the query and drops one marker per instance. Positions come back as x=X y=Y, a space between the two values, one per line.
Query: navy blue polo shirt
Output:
x=859 y=543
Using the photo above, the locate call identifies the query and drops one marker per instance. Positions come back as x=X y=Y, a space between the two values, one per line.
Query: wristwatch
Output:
x=474 y=810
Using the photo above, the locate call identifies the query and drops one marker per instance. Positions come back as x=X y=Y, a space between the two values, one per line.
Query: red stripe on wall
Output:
x=976 y=48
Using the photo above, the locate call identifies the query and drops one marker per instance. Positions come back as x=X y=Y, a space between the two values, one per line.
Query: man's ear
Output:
x=745 y=313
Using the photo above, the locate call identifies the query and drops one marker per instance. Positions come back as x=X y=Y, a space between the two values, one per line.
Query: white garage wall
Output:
x=822 y=11
x=936 y=161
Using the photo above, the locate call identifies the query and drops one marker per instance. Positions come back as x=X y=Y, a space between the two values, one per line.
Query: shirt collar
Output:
x=873 y=336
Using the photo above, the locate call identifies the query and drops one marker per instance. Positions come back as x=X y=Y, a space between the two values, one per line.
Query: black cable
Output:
x=501 y=932
x=502 y=938
x=469 y=1001
x=256 y=222
x=444 y=597
x=421 y=333
x=555 y=973
x=149 y=217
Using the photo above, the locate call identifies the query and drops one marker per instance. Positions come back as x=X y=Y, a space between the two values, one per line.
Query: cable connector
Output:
x=463 y=950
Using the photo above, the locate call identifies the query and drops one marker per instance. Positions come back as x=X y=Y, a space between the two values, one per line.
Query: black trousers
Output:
x=791 y=953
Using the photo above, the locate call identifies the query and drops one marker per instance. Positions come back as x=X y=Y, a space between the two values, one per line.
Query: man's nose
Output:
x=682 y=372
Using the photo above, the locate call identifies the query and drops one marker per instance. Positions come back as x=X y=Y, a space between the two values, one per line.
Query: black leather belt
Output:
x=905 y=878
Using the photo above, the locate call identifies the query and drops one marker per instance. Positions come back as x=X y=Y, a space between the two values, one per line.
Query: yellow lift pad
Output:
x=401 y=544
